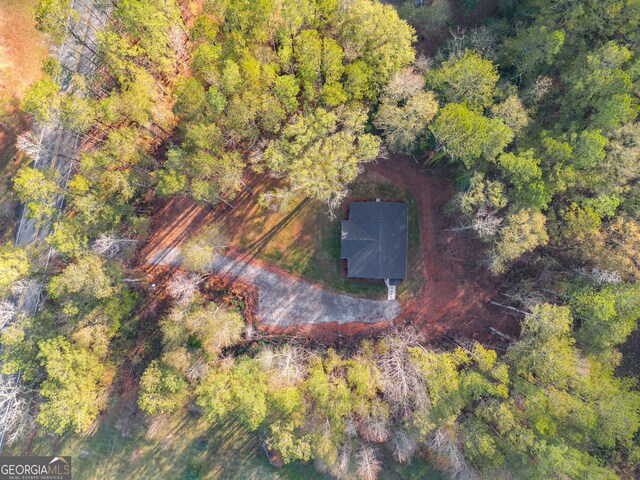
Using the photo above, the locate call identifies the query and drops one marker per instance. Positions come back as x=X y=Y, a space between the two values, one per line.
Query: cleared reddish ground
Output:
x=454 y=299
x=456 y=293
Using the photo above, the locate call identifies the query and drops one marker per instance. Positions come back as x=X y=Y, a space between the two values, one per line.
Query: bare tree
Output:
x=29 y=145
x=483 y=40
x=374 y=429
x=423 y=63
x=444 y=444
x=184 y=286
x=250 y=331
x=350 y=427
x=199 y=368
x=485 y=222
x=401 y=382
x=288 y=364
x=368 y=465
x=404 y=84
x=275 y=200
x=343 y=465
x=458 y=42
x=178 y=38
x=538 y=90
x=111 y=245
x=601 y=277
x=30 y=292
x=403 y=446
x=7 y=313
x=15 y=411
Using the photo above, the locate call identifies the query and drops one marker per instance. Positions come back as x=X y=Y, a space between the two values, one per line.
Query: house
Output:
x=375 y=242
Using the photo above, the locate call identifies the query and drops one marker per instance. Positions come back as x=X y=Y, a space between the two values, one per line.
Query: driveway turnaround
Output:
x=285 y=300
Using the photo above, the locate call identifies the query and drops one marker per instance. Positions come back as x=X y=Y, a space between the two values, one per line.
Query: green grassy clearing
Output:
x=306 y=241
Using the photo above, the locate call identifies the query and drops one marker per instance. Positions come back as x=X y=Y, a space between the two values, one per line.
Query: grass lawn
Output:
x=187 y=448
x=304 y=240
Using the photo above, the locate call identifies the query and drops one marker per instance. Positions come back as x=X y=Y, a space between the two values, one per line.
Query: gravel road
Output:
x=285 y=300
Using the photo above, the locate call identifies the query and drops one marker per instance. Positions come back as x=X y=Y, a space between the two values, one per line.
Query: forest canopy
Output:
x=534 y=114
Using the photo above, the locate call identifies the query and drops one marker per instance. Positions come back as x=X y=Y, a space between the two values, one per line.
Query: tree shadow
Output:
x=258 y=245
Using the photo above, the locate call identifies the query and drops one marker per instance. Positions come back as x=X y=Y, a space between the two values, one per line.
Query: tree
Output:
x=211 y=328
x=38 y=190
x=482 y=193
x=201 y=250
x=240 y=389
x=205 y=63
x=150 y=22
x=545 y=352
x=86 y=280
x=429 y=17
x=607 y=315
x=512 y=113
x=308 y=55
x=404 y=126
x=77 y=113
x=442 y=377
x=468 y=136
x=377 y=36
x=190 y=98
x=286 y=89
x=75 y=389
x=523 y=232
x=53 y=16
x=42 y=99
x=67 y=239
x=14 y=265
x=162 y=390
x=117 y=54
x=600 y=88
x=524 y=172
x=467 y=78
x=292 y=447
x=321 y=153
x=532 y=49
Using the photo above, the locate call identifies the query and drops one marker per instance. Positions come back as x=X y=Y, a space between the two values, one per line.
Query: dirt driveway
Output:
x=284 y=300
x=457 y=288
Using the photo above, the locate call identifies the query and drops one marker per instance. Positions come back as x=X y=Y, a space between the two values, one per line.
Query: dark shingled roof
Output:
x=374 y=240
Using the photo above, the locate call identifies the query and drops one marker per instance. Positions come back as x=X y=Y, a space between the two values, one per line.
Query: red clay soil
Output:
x=457 y=288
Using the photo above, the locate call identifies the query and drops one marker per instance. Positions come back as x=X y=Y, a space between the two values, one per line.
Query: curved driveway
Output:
x=284 y=300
